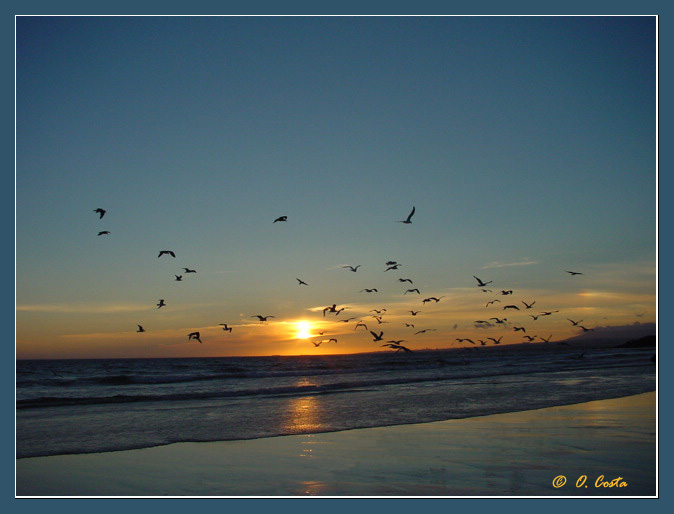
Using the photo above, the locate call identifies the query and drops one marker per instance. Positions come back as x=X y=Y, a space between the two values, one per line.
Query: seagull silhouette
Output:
x=352 y=268
x=506 y=292
x=529 y=305
x=373 y=290
x=585 y=329
x=398 y=347
x=409 y=217
x=497 y=320
x=194 y=335
x=414 y=313
x=518 y=329
x=393 y=266
x=377 y=337
x=166 y=252
x=493 y=301
x=317 y=344
x=225 y=327
x=415 y=290
x=161 y=304
x=187 y=270
x=140 y=328
x=262 y=318
x=511 y=307
x=546 y=340
x=573 y=272
x=360 y=324
x=179 y=278
x=575 y=323
x=281 y=218
x=480 y=283
x=301 y=282
x=404 y=280
x=424 y=331
x=496 y=341
x=103 y=232
x=101 y=212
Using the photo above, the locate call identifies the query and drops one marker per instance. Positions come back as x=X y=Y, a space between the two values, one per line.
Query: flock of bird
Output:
x=378 y=314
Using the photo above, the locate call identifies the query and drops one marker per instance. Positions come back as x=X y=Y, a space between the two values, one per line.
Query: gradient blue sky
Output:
x=527 y=145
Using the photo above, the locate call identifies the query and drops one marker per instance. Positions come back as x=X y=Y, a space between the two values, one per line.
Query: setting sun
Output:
x=303 y=330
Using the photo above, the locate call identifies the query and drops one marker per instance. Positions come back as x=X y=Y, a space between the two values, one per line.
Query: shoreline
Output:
x=511 y=454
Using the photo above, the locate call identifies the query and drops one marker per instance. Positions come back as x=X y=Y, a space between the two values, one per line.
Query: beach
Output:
x=603 y=448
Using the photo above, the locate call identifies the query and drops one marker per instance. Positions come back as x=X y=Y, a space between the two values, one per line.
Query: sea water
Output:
x=95 y=405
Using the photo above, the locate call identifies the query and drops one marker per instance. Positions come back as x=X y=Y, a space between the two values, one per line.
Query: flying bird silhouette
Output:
x=518 y=329
x=405 y=280
x=424 y=331
x=101 y=212
x=409 y=217
x=480 y=283
x=360 y=324
x=261 y=318
x=179 y=278
x=352 y=268
x=415 y=290
x=511 y=307
x=103 y=232
x=393 y=266
x=301 y=282
x=546 y=340
x=414 y=313
x=398 y=347
x=575 y=323
x=166 y=252
x=377 y=337
x=493 y=301
x=373 y=290
x=161 y=304
x=140 y=328
x=225 y=327
x=573 y=272
x=496 y=341
x=194 y=335
x=509 y=291
x=281 y=218
x=187 y=270
x=529 y=305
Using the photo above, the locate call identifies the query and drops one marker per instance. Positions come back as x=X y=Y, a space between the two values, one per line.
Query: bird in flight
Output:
x=547 y=313
x=509 y=291
x=187 y=270
x=529 y=305
x=378 y=311
x=462 y=340
x=546 y=340
x=585 y=329
x=575 y=323
x=496 y=341
x=352 y=268
x=405 y=280
x=497 y=320
x=101 y=212
x=140 y=328
x=414 y=313
x=377 y=337
x=409 y=325
x=194 y=335
x=179 y=278
x=166 y=252
x=103 y=232
x=530 y=338
x=360 y=324
x=493 y=301
x=511 y=307
x=225 y=327
x=317 y=343
x=423 y=331
x=161 y=304
x=281 y=218
x=432 y=298
x=393 y=266
x=262 y=318
x=373 y=290
x=480 y=283
x=409 y=217
x=415 y=290
x=573 y=272
x=398 y=347
x=301 y=282
x=517 y=329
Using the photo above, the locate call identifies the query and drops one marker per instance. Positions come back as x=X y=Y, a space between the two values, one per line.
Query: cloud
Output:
x=498 y=264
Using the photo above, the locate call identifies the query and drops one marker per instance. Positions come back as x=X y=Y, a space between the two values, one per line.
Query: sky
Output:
x=526 y=145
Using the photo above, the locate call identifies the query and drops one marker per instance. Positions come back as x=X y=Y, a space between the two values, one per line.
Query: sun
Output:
x=303 y=329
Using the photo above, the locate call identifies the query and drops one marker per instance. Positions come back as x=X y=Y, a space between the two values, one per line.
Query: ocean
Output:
x=99 y=405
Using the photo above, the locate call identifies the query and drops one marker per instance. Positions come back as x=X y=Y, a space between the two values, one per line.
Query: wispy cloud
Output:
x=498 y=264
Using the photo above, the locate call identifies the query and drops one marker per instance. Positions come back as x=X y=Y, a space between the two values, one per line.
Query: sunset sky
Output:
x=527 y=146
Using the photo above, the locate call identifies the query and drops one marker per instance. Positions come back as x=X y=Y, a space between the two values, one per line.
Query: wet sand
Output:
x=504 y=455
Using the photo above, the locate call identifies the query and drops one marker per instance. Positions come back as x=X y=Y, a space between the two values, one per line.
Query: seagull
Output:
x=497 y=320
x=391 y=263
x=530 y=338
x=480 y=283
x=103 y=232
x=301 y=282
x=507 y=292
x=194 y=335
x=262 y=318
x=574 y=272
x=378 y=311
x=333 y=308
x=398 y=341
x=166 y=252
x=360 y=324
x=187 y=270
x=575 y=323
x=424 y=330
x=409 y=217
x=373 y=290
x=404 y=280
x=394 y=266
x=409 y=325
x=412 y=291
x=517 y=329
x=547 y=313
x=414 y=313
x=433 y=298
x=225 y=327
x=140 y=328
x=379 y=319
x=377 y=337
x=352 y=268
x=462 y=340
x=493 y=301
x=529 y=305
x=317 y=344
x=101 y=212
x=585 y=329
x=546 y=340
x=398 y=347
x=535 y=317
x=178 y=278
x=281 y=218
x=161 y=304
x=511 y=307
x=496 y=341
